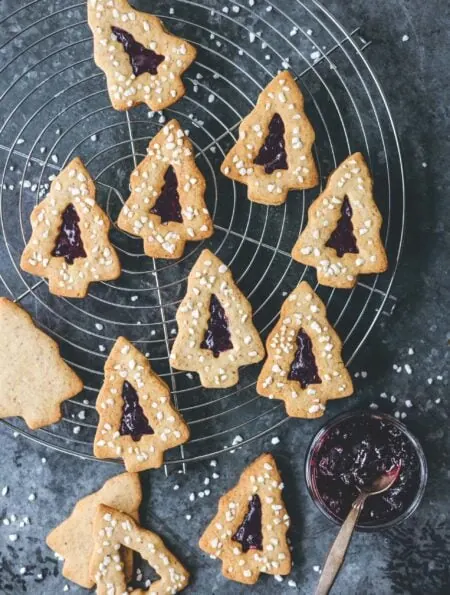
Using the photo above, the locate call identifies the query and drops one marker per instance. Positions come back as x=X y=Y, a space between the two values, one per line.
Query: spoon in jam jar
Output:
x=339 y=548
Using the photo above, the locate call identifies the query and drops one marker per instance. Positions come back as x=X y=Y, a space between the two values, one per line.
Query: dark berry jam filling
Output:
x=273 y=152
x=217 y=336
x=304 y=368
x=134 y=423
x=69 y=243
x=167 y=206
x=249 y=534
x=343 y=239
x=354 y=453
x=142 y=59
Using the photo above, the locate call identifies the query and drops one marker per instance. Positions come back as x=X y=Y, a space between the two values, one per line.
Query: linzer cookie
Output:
x=216 y=334
x=69 y=244
x=137 y=420
x=116 y=532
x=34 y=379
x=73 y=539
x=248 y=532
x=274 y=152
x=304 y=366
x=342 y=236
x=167 y=207
x=142 y=62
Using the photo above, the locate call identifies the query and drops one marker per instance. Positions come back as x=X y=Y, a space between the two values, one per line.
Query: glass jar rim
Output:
x=314 y=495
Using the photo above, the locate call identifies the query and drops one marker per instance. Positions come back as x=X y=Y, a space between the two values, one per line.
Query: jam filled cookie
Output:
x=116 y=532
x=216 y=334
x=69 y=243
x=137 y=420
x=34 y=379
x=73 y=539
x=342 y=236
x=248 y=532
x=274 y=152
x=304 y=366
x=167 y=207
x=142 y=62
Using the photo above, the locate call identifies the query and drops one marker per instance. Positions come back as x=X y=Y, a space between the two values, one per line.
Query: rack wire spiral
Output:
x=54 y=106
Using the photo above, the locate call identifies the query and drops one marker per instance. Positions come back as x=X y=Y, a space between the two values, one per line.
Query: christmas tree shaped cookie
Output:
x=248 y=532
x=73 y=539
x=167 y=207
x=137 y=420
x=142 y=62
x=304 y=366
x=69 y=244
x=216 y=334
x=34 y=379
x=342 y=236
x=114 y=533
x=274 y=152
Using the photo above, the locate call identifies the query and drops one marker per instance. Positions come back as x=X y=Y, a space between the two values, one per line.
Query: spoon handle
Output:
x=338 y=550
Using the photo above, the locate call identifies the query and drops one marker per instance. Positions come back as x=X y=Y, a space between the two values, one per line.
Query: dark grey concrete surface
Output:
x=410 y=52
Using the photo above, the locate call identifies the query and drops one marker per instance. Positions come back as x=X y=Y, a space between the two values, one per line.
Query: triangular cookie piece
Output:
x=69 y=244
x=115 y=531
x=342 y=236
x=34 y=379
x=274 y=152
x=216 y=334
x=304 y=366
x=248 y=532
x=167 y=207
x=73 y=539
x=137 y=420
x=142 y=62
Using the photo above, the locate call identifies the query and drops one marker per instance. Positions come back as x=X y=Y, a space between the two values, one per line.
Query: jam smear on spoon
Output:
x=142 y=59
x=249 y=534
x=167 y=206
x=134 y=422
x=343 y=239
x=217 y=335
x=69 y=243
x=273 y=152
x=304 y=368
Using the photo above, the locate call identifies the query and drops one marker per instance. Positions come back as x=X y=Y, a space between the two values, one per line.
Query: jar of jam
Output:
x=350 y=452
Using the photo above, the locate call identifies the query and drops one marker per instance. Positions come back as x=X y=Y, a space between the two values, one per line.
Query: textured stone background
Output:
x=410 y=559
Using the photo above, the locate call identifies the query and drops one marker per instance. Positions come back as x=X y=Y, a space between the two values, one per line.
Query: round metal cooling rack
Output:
x=54 y=105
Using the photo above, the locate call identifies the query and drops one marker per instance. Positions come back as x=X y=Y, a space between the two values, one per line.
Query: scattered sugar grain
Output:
x=13 y=537
x=76 y=430
x=439 y=377
x=134 y=298
x=275 y=440
x=215 y=475
x=31 y=497
x=408 y=403
x=437 y=401
x=410 y=351
x=176 y=487
x=102 y=348
x=408 y=369
x=99 y=326
x=5 y=490
x=393 y=399
x=188 y=517
x=316 y=568
x=292 y=583
x=278 y=578
x=213 y=463
x=192 y=496
x=405 y=38
x=206 y=481
x=22 y=570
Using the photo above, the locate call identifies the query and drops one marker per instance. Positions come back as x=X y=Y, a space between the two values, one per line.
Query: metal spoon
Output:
x=339 y=548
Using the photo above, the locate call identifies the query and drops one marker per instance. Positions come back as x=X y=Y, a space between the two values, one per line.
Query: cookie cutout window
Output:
x=304 y=366
x=137 y=421
x=134 y=422
x=342 y=237
x=143 y=63
x=142 y=59
x=249 y=530
x=167 y=207
x=73 y=539
x=123 y=533
x=34 y=379
x=249 y=533
x=216 y=334
x=274 y=151
x=69 y=244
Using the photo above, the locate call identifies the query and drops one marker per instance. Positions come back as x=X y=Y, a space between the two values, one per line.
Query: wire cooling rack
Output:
x=54 y=106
